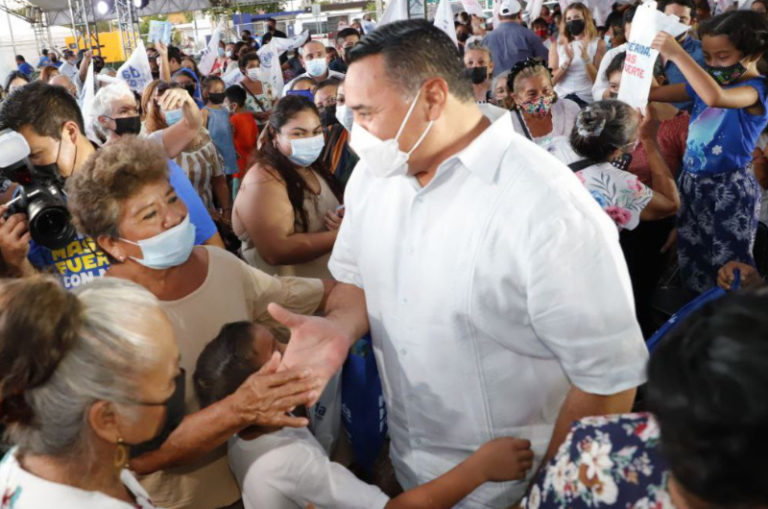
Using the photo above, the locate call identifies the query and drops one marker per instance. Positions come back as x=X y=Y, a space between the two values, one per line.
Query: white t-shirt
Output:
x=576 y=79
x=20 y=489
x=288 y=469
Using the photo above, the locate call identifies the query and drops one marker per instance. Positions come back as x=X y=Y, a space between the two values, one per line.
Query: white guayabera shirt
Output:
x=490 y=291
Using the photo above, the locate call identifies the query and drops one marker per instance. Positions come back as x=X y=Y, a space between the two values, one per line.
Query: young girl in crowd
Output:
x=720 y=196
x=245 y=132
x=216 y=120
x=576 y=55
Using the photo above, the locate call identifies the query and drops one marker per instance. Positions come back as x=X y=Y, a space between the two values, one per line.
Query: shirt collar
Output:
x=483 y=156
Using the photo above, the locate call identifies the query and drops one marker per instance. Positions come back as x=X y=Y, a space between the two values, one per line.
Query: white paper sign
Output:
x=86 y=103
x=444 y=20
x=397 y=10
x=272 y=73
x=159 y=31
x=473 y=7
x=136 y=71
x=212 y=51
x=638 y=66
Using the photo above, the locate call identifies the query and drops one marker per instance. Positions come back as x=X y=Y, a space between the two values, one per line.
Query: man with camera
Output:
x=33 y=236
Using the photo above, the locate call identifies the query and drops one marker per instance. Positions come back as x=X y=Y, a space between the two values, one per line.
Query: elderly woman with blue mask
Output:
x=121 y=197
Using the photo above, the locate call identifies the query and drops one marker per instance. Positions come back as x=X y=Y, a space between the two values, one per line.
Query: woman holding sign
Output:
x=718 y=219
x=577 y=54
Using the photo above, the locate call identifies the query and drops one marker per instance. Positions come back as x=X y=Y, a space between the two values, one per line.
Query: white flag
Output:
x=397 y=10
x=271 y=72
x=534 y=9
x=444 y=20
x=473 y=7
x=86 y=103
x=212 y=51
x=282 y=44
x=638 y=67
x=136 y=71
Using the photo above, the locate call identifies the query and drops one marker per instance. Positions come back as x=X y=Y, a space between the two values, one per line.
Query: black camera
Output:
x=40 y=194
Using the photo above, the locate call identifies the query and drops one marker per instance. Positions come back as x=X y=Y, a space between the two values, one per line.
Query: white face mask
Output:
x=305 y=151
x=345 y=116
x=384 y=157
x=255 y=73
x=167 y=249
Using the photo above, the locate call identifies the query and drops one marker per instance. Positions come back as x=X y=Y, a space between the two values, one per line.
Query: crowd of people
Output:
x=489 y=213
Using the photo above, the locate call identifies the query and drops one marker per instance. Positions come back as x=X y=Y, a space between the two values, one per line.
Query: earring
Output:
x=121 y=455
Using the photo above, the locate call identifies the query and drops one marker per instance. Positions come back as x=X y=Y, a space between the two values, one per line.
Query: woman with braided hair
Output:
x=83 y=376
x=605 y=134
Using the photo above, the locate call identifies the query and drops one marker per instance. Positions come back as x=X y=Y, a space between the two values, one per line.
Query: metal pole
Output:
x=194 y=29
x=10 y=27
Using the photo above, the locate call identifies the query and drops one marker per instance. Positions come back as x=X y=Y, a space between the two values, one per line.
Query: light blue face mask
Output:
x=168 y=249
x=305 y=151
x=173 y=116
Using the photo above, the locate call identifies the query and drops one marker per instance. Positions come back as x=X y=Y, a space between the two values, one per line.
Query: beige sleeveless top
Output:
x=316 y=206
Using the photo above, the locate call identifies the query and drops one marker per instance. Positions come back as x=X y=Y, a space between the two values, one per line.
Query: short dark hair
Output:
x=271 y=20
x=602 y=128
x=617 y=64
x=175 y=53
x=707 y=386
x=210 y=80
x=245 y=30
x=629 y=15
x=747 y=31
x=236 y=94
x=684 y=3
x=242 y=61
x=330 y=82
x=540 y=22
x=225 y=363
x=44 y=107
x=20 y=58
x=346 y=32
x=44 y=52
x=414 y=51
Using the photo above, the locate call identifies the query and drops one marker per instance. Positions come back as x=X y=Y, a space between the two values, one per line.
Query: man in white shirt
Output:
x=314 y=58
x=493 y=284
x=602 y=89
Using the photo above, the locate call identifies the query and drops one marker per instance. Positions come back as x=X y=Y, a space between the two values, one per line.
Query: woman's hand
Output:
x=667 y=45
x=584 y=52
x=266 y=396
x=332 y=220
x=162 y=49
x=726 y=277
x=648 y=130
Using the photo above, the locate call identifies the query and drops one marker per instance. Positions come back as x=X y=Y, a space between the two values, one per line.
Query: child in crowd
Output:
x=245 y=131
x=216 y=120
x=287 y=468
x=717 y=221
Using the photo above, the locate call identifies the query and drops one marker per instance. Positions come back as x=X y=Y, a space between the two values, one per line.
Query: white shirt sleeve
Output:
x=580 y=301
x=343 y=263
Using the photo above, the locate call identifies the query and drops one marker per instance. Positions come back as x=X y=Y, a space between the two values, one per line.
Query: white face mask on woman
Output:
x=384 y=157
x=168 y=249
x=305 y=151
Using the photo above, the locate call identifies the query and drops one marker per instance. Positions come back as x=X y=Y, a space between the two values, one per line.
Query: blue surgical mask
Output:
x=345 y=116
x=305 y=151
x=168 y=249
x=173 y=116
x=221 y=52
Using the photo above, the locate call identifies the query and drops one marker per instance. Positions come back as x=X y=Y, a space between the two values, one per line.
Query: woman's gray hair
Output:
x=109 y=353
x=102 y=103
x=477 y=46
x=602 y=128
x=501 y=77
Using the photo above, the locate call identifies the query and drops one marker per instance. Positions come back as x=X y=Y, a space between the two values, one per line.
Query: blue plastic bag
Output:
x=362 y=404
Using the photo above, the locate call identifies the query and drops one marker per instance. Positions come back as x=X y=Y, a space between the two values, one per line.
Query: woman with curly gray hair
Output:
x=605 y=134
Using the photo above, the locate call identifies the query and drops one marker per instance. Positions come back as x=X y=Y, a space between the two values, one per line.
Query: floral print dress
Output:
x=620 y=193
x=605 y=462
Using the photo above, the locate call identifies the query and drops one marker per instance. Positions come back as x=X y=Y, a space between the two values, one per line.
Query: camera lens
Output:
x=50 y=225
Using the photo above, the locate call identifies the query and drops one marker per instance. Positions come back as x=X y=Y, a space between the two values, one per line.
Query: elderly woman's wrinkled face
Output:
x=146 y=412
x=151 y=211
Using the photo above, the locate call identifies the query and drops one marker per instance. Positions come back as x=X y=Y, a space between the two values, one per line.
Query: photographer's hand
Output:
x=14 y=244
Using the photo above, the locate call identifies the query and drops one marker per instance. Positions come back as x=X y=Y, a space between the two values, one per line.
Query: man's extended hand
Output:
x=316 y=344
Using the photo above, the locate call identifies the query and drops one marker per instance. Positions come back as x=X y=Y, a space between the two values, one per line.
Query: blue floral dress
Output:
x=605 y=462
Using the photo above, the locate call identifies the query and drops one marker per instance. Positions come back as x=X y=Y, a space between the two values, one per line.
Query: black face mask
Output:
x=575 y=26
x=477 y=74
x=216 y=98
x=328 y=116
x=127 y=125
x=191 y=89
x=175 y=410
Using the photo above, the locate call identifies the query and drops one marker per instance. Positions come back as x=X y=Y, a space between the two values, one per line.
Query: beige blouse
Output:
x=316 y=206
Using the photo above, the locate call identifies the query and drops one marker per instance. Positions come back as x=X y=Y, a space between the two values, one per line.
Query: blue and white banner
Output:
x=136 y=71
